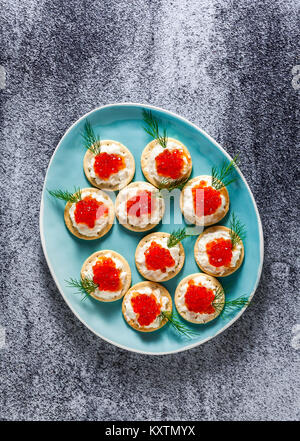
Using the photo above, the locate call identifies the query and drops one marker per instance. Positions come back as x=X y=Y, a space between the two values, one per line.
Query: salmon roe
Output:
x=169 y=163
x=146 y=308
x=199 y=299
x=219 y=252
x=140 y=204
x=158 y=257
x=206 y=202
x=107 y=275
x=107 y=164
x=88 y=210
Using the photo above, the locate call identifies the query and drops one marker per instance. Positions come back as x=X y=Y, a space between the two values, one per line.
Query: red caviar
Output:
x=140 y=204
x=206 y=202
x=169 y=163
x=107 y=164
x=219 y=252
x=107 y=275
x=199 y=299
x=146 y=308
x=158 y=257
x=88 y=210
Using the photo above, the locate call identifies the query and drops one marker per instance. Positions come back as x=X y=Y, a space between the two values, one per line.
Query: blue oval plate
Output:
x=65 y=253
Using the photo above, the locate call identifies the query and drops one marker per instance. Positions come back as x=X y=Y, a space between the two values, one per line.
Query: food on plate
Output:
x=107 y=164
x=156 y=260
x=204 y=199
x=145 y=305
x=165 y=161
x=219 y=251
x=105 y=276
x=89 y=212
x=139 y=206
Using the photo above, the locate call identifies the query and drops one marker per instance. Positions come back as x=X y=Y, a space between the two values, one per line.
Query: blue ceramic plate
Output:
x=65 y=253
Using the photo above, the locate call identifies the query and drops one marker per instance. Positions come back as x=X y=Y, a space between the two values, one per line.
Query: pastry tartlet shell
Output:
x=151 y=237
x=105 y=230
x=126 y=268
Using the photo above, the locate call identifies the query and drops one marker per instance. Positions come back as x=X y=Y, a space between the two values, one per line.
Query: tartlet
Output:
x=199 y=298
x=164 y=166
x=151 y=299
x=112 y=156
x=203 y=211
x=155 y=261
x=139 y=206
x=103 y=216
x=215 y=254
x=110 y=271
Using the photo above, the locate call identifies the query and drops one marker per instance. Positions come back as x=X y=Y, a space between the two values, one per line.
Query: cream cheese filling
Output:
x=106 y=295
x=131 y=315
x=115 y=178
x=158 y=275
x=150 y=167
x=144 y=219
x=188 y=205
x=100 y=223
x=190 y=315
x=202 y=256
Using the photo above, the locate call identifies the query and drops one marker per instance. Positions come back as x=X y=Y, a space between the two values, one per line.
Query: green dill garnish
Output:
x=180 y=327
x=152 y=128
x=91 y=141
x=84 y=286
x=170 y=184
x=179 y=235
x=222 y=176
x=66 y=195
x=237 y=230
x=226 y=307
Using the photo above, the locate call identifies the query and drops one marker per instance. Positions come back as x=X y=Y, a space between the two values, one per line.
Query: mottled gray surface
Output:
x=226 y=66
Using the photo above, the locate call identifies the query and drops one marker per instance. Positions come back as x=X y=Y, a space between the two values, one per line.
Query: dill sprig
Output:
x=170 y=184
x=222 y=176
x=180 y=327
x=177 y=236
x=237 y=230
x=92 y=142
x=228 y=306
x=66 y=195
x=84 y=286
x=152 y=128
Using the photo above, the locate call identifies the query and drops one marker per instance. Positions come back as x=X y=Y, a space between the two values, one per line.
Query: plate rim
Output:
x=42 y=238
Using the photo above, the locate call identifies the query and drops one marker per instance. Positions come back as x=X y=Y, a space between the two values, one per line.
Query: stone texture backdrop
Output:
x=230 y=66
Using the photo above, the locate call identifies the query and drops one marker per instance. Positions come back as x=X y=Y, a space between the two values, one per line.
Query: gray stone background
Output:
x=226 y=65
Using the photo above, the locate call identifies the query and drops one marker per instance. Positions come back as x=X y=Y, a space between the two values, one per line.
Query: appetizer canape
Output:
x=107 y=164
x=165 y=161
x=105 y=276
x=89 y=212
x=219 y=251
x=156 y=259
x=204 y=199
x=199 y=298
x=139 y=206
x=145 y=305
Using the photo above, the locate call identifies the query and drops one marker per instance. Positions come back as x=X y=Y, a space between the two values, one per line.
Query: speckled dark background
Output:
x=226 y=66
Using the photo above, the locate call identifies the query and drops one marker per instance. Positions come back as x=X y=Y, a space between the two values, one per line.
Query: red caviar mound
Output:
x=107 y=275
x=107 y=164
x=170 y=163
x=158 y=258
x=146 y=308
x=199 y=299
x=219 y=252
x=207 y=201
x=88 y=210
x=140 y=204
